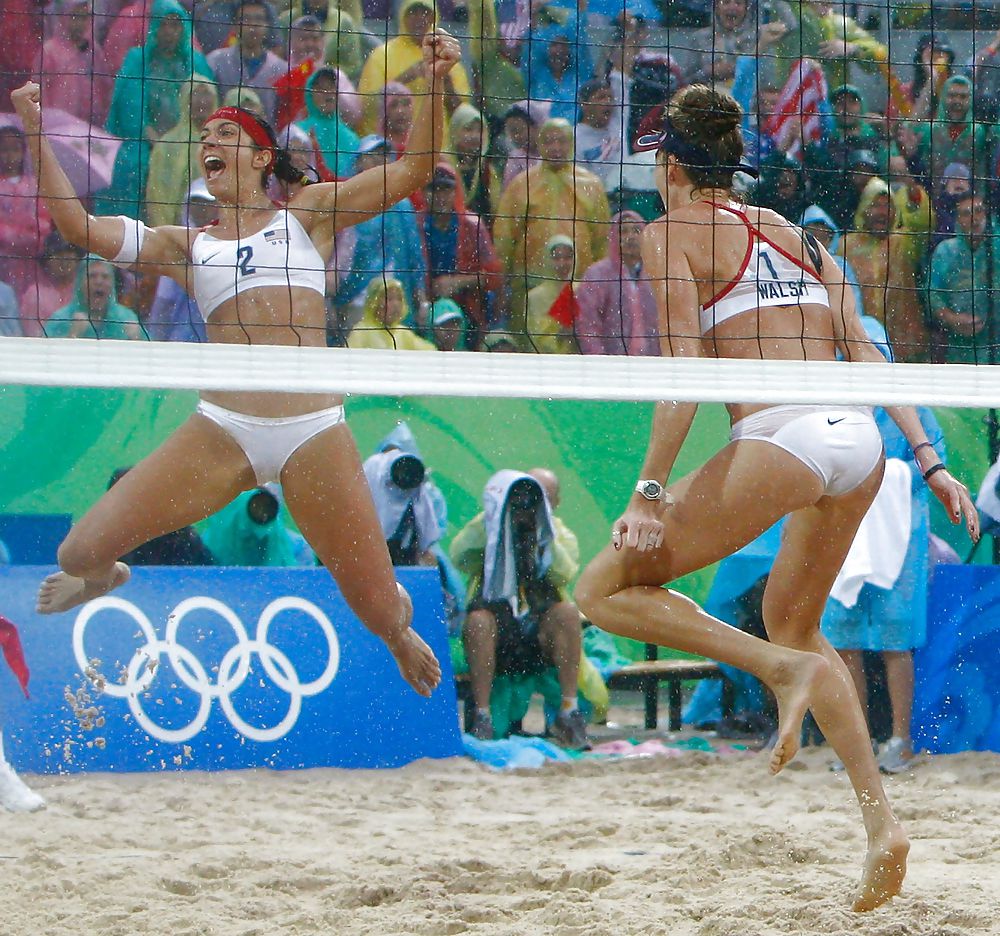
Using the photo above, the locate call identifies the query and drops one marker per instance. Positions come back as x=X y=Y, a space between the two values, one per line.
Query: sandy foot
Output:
x=416 y=661
x=885 y=868
x=60 y=592
x=794 y=692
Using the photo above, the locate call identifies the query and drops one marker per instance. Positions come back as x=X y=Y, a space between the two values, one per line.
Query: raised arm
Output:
x=676 y=294
x=855 y=345
x=109 y=237
x=373 y=191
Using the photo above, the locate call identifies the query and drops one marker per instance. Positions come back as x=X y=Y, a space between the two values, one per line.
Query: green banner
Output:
x=60 y=446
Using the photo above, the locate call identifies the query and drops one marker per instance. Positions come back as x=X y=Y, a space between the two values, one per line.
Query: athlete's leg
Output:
x=855 y=662
x=739 y=493
x=814 y=545
x=326 y=491
x=195 y=472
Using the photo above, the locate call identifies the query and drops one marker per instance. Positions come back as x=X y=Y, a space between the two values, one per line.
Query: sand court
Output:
x=693 y=846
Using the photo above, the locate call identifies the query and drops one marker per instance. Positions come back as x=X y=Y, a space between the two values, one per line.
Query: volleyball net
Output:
x=874 y=126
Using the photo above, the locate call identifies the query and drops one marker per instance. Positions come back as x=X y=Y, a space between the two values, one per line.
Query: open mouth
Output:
x=213 y=166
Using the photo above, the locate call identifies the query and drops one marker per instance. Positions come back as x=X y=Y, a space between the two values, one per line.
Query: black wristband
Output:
x=934 y=469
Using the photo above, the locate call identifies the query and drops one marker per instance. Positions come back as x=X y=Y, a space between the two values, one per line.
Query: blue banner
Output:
x=213 y=669
x=957 y=702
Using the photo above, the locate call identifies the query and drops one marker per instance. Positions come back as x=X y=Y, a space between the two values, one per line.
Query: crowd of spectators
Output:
x=527 y=237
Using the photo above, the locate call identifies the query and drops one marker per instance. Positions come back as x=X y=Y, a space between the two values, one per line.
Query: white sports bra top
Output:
x=768 y=276
x=282 y=254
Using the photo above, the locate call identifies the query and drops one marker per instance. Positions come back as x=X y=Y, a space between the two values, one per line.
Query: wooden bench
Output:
x=644 y=676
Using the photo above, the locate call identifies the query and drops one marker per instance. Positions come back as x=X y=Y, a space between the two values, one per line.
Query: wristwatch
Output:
x=652 y=490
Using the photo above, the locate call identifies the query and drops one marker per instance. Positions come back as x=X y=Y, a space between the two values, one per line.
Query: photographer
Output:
x=413 y=514
x=520 y=619
x=250 y=532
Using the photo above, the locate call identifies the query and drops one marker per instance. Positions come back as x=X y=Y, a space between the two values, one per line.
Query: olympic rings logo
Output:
x=233 y=669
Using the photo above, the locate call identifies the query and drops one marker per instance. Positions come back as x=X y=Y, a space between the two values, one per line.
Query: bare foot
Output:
x=416 y=661
x=885 y=868
x=60 y=592
x=793 y=687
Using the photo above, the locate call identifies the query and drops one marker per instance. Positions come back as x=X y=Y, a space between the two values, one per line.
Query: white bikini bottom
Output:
x=270 y=441
x=841 y=444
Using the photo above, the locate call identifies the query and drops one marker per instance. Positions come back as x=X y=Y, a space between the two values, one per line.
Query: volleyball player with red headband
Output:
x=259 y=277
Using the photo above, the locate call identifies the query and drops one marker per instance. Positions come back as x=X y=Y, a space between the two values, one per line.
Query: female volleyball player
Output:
x=259 y=278
x=740 y=282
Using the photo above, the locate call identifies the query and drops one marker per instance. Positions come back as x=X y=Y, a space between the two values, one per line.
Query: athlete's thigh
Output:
x=327 y=493
x=196 y=471
x=814 y=544
x=718 y=508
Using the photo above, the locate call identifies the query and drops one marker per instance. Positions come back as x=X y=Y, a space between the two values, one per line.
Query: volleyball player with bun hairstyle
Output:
x=733 y=281
x=259 y=278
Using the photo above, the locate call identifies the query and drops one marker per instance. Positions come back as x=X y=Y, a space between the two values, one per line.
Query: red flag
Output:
x=798 y=121
x=10 y=641
x=565 y=309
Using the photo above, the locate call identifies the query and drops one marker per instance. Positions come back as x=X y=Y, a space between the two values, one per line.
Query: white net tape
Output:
x=177 y=366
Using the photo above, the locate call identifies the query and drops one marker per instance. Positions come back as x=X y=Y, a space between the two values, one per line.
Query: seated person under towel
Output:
x=520 y=619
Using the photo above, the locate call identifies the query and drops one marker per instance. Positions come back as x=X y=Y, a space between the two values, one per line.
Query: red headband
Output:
x=249 y=124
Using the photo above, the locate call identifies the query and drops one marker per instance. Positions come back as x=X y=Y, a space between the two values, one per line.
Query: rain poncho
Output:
x=546 y=335
x=344 y=47
x=175 y=162
x=479 y=182
x=401 y=438
x=338 y=143
x=118 y=322
x=373 y=332
x=562 y=93
x=965 y=280
x=886 y=265
x=234 y=539
x=940 y=145
x=398 y=55
x=816 y=215
x=815 y=27
x=896 y=618
x=546 y=200
x=388 y=244
x=24 y=220
x=75 y=75
x=499 y=80
x=146 y=103
x=470 y=249
x=407 y=516
x=617 y=309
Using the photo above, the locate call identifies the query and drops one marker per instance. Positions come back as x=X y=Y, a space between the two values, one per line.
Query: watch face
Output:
x=651 y=489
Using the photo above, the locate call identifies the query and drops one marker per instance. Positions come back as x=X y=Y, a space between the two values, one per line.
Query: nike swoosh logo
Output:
x=833 y=422
x=205 y=260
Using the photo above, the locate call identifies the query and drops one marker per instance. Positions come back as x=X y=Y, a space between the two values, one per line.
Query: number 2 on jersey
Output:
x=245 y=254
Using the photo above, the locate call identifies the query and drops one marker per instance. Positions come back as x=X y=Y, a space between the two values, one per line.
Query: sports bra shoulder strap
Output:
x=742 y=215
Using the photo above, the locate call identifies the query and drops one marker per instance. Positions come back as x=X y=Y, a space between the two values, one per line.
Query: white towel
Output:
x=879 y=548
x=499 y=568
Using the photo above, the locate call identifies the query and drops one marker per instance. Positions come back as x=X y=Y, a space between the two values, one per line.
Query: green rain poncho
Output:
x=147 y=103
x=235 y=539
x=338 y=143
x=118 y=322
